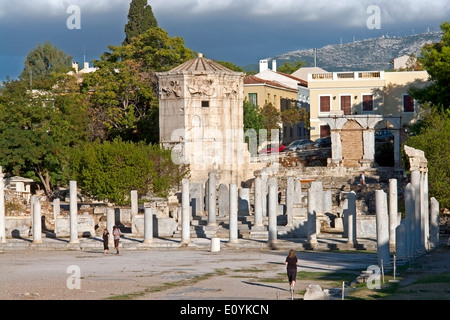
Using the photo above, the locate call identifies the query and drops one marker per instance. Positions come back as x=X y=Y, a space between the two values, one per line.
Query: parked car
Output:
x=299 y=144
x=384 y=135
x=270 y=148
x=323 y=142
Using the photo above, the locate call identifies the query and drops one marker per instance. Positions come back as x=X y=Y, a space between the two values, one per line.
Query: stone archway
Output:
x=352 y=144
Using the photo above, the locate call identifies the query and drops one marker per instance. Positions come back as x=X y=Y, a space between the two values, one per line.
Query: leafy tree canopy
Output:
x=271 y=117
x=253 y=119
x=436 y=128
x=291 y=67
x=140 y=19
x=109 y=171
x=123 y=91
x=42 y=61
x=39 y=128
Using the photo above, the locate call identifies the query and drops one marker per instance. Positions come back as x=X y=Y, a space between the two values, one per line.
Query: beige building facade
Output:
x=363 y=93
x=352 y=106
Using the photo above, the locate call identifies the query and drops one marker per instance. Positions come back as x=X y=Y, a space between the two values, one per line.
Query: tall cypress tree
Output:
x=140 y=19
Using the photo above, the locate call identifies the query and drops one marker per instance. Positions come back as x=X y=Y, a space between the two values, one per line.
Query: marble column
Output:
x=212 y=205
x=2 y=208
x=134 y=204
x=233 y=229
x=37 y=225
x=148 y=225
x=424 y=210
x=382 y=228
x=393 y=212
x=417 y=236
x=297 y=192
x=351 y=218
x=317 y=187
x=73 y=213
x=258 y=203
x=56 y=213
x=410 y=217
x=290 y=201
x=401 y=241
x=110 y=223
x=224 y=200
x=264 y=185
x=311 y=222
x=273 y=203
x=185 y=214
x=434 y=222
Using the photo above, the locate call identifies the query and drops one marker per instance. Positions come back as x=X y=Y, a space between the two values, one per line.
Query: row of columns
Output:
x=36 y=216
x=259 y=192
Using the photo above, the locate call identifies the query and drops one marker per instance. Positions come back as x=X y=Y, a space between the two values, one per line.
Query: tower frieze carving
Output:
x=172 y=88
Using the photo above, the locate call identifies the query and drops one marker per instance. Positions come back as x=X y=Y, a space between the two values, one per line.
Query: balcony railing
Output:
x=375 y=75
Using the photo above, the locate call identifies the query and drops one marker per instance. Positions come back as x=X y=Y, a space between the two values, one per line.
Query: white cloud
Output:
x=345 y=12
x=49 y=8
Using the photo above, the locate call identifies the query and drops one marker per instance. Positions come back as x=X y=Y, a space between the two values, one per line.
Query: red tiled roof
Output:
x=256 y=80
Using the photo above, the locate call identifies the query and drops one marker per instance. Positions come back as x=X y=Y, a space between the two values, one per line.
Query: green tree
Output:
x=252 y=118
x=436 y=128
x=41 y=62
x=123 y=90
x=291 y=67
x=290 y=116
x=140 y=19
x=39 y=129
x=271 y=118
x=435 y=58
x=109 y=171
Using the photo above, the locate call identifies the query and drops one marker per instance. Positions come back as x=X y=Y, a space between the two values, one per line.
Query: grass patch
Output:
x=434 y=278
x=252 y=270
x=167 y=286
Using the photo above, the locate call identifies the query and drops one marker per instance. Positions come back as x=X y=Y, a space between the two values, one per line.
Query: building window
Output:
x=205 y=104
x=325 y=131
x=367 y=101
x=346 y=104
x=408 y=104
x=253 y=98
x=325 y=103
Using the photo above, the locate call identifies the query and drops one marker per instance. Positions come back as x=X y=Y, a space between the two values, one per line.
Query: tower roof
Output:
x=201 y=65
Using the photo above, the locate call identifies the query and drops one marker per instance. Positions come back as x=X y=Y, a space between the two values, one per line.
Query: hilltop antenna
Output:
x=315 y=57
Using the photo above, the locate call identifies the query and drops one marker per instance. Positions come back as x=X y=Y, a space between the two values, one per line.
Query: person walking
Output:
x=116 y=235
x=105 y=241
x=291 y=268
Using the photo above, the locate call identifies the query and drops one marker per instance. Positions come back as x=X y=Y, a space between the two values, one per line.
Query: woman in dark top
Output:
x=105 y=241
x=291 y=267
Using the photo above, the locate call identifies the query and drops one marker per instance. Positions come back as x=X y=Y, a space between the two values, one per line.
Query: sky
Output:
x=239 y=31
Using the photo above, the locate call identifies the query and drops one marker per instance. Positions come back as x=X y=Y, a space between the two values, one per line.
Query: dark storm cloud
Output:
x=239 y=31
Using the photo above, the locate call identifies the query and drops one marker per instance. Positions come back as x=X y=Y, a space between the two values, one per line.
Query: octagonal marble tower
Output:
x=201 y=120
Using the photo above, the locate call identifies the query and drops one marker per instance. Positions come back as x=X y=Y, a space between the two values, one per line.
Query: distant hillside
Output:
x=371 y=54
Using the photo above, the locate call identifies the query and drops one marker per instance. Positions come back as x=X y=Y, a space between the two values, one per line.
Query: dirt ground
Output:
x=197 y=275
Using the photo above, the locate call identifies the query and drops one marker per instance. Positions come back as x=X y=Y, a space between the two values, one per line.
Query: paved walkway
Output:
x=128 y=242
